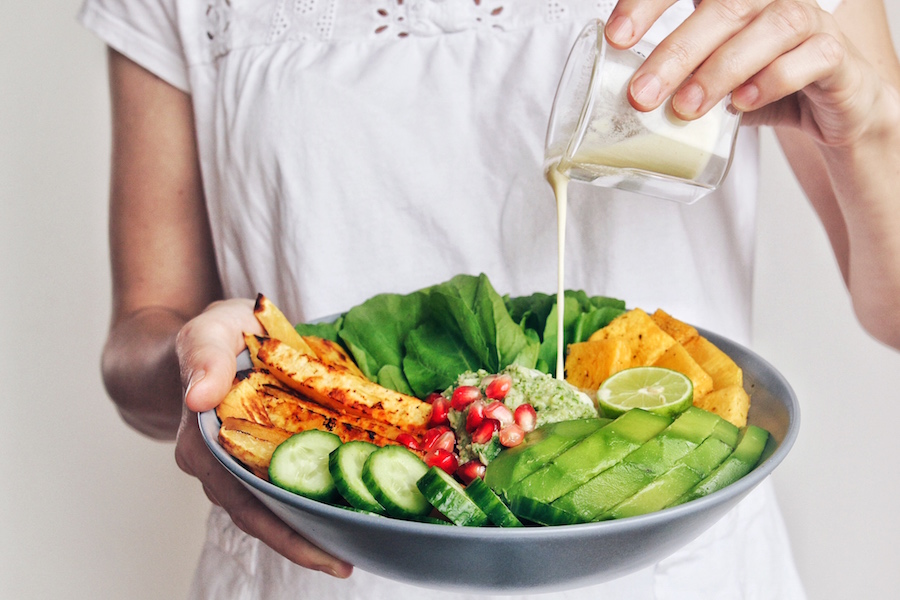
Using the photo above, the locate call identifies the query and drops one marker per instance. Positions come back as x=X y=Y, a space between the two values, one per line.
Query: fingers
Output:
x=700 y=43
x=250 y=515
x=207 y=348
x=811 y=61
x=790 y=30
x=727 y=44
x=254 y=519
x=631 y=19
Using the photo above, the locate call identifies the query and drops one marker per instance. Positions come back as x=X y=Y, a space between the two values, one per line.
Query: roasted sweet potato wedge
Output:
x=341 y=390
x=251 y=443
x=244 y=400
x=277 y=326
x=332 y=354
x=292 y=412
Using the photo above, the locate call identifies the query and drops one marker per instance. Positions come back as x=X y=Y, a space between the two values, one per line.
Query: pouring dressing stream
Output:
x=596 y=136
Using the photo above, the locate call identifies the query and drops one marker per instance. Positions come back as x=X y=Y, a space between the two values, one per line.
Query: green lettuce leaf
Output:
x=392 y=377
x=434 y=359
x=328 y=331
x=375 y=331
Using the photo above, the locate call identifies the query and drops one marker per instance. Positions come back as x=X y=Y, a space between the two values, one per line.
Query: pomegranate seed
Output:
x=442 y=459
x=484 y=432
x=463 y=396
x=475 y=416
x=500 y=412
x=432 y=434
x=525 y=417
x=405 y=439
x=498 y=387
x=446 y=441
x=511 y=435
x=471 y=470
x=432 y=397
x=440 y=407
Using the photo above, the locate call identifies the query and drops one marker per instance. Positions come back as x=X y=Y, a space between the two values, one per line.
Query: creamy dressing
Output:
x=654 y=153
x=657 y=141
x=560 y=183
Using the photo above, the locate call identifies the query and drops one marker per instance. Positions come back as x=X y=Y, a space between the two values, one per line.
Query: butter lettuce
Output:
x=420 y=342
x=435 y=357
x=375 y=331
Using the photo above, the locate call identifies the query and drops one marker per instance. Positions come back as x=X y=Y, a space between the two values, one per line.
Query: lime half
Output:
x=654 y=389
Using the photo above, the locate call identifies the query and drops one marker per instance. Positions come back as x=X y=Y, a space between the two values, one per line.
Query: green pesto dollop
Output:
x=553 y=400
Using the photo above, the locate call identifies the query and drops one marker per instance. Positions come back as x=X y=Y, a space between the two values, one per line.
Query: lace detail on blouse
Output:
x=433 y=17
x=302 y=20
x=218 y=25
x=231 y=24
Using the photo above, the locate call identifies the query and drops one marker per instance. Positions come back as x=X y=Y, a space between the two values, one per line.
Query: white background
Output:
x=90 y=509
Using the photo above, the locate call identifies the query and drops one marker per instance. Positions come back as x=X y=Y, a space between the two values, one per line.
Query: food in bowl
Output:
x=506 y=447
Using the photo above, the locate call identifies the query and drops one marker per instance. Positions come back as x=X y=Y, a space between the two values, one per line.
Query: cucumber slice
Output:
x=346 y=465
x=390 y=474
x=360 y=511
x=431 y=520
x=497 y=512
x=541 y=512
x=448 y=496
x=300 y=464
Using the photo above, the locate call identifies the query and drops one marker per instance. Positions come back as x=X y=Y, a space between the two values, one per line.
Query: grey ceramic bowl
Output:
x=545 y=558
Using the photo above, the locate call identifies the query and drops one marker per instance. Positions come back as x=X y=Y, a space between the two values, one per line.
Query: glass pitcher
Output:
x=595 y=135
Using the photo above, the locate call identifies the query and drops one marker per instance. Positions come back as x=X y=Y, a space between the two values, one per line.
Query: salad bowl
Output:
x=493 y=560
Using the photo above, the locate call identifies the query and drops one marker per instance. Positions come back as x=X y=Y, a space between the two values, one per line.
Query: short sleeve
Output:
x=146 y=31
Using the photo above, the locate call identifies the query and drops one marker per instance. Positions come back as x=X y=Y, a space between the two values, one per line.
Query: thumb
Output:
x=207 y=376
x=207 y=348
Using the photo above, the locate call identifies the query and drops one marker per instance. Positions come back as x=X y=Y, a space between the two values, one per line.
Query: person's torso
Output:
x=352 y=148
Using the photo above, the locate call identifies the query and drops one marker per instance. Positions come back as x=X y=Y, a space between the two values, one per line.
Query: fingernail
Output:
x=744 y=98
x=195 y=378
x=688 y=99
x=645 y=89
x=329 y=570
x=620 y=30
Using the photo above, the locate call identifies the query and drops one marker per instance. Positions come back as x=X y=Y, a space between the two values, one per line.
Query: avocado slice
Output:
x=596 y=497
x=592 y=455
x=726 y=432
x=683 y=476
x=744 y=459
x=677 y=481
x=539 y=447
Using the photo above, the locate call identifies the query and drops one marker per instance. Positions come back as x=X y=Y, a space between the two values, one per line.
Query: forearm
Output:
x=141 y=373
x=162 y=256
x=866 y=180
x=841 y=135
x=854 y=190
